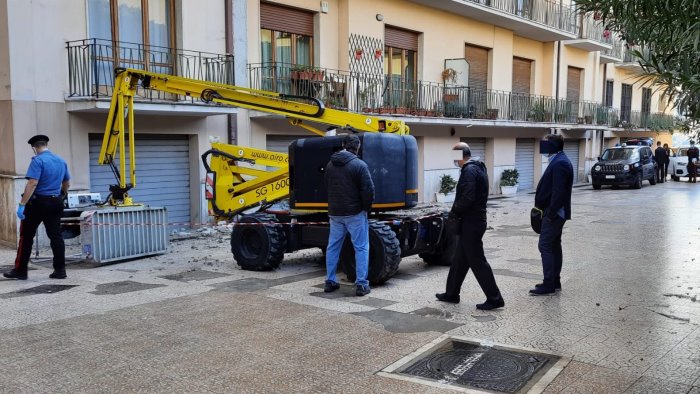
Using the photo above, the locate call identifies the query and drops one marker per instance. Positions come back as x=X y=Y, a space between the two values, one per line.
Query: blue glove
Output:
x=20 y=212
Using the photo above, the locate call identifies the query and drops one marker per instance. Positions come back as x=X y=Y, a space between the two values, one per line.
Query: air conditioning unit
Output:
x=119 y=233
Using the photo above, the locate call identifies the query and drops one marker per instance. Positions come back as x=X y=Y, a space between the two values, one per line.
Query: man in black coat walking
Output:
x=553 y=198
x=661 y=157
x=468 y=218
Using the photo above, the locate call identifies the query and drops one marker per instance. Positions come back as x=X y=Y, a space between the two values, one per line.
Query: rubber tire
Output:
x=384 y=254
x=638 y=183
x=270 y=239
x=597 y=186
x=652 y=180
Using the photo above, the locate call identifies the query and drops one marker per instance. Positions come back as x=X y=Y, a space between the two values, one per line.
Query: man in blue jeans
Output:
x=553 y=197
x=350 y=196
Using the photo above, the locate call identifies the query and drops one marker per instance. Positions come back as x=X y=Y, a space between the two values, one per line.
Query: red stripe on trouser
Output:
x=19 y=247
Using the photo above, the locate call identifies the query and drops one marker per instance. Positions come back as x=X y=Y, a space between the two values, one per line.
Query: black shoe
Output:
x=362 y=291
x=58 y=275
x=557 y=286
x=542 y=290
x=444 y=297
x=14 y=274
x=330 y=286
x=488 y=305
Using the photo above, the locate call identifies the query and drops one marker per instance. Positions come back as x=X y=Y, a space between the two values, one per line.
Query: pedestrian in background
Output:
x=553 y=198
x=468 y=219
x=48 y=180
x=661 y=157
x=668 y=159
x=693 y=156
x=350 y=196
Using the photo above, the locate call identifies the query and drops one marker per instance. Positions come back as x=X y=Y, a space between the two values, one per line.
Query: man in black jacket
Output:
x=553 y=197
x=468 y=218
x=350 y=196
x=660 y=156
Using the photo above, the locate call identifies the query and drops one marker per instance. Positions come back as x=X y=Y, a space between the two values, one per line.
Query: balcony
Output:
x=91 y=65
x=630 y=62
x=426 y=101
x=541 y=20
x=592 y=35
x=613 y=55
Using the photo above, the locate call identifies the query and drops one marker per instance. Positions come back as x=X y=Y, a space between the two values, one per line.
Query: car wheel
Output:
x=653 y=180
x=596 y=186
x=674 y=178
x=638 y=182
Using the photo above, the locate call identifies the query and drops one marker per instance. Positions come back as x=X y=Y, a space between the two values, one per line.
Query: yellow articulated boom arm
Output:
x=232 y=187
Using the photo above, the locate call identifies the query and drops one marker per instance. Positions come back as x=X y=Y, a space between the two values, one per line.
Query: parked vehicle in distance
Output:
x=625 y=165
x=678 y=165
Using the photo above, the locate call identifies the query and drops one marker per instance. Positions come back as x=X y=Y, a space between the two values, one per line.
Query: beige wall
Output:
x=201 y=25
x=574 y=57
x=541 y=59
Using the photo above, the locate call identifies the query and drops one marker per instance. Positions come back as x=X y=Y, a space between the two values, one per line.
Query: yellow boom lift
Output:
x=239 y=177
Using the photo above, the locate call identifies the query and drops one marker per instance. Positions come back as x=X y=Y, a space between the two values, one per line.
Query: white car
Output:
x=678 y=166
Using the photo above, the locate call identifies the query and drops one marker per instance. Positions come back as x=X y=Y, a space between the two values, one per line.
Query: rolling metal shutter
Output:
x=478 y=59
x=571 y=148
x=162 y=174
x=477 y=146
x=286 y=19
x=525 y=162
x=280 y=143
x=521 y=75
x=400 y=38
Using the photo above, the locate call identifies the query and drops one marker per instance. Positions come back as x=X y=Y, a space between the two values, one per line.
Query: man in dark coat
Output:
x=553 y=197
x=468 y=218
x=350 y=196
x=668 y=158
x=661 y=157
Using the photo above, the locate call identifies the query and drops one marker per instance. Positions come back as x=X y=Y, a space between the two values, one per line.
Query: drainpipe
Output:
x=232 y=126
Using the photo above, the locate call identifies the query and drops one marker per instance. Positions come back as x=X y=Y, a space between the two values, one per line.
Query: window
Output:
x=478 y=59
x=142 y=32
x=400 y=66
x=646 y=100
x=626 y=103
x=609 y=90
x=284 y=47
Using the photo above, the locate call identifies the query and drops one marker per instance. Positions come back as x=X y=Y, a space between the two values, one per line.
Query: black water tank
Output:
x=392 y=161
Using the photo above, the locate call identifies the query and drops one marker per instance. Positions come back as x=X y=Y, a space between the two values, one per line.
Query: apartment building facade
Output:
x=519 y=70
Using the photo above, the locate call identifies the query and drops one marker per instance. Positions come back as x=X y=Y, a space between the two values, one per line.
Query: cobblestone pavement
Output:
x=191 y=321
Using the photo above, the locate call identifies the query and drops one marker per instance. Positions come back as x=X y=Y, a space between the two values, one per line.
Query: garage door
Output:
x=525 y=162
x=162 y=174
x=477 y=146
x=571 y=148
x=280 y=143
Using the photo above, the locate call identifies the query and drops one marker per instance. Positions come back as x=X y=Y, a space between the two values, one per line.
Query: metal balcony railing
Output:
x=381 y=94
x=91 y=64
x=617 y=51
x=593 y=29
x=546 y=12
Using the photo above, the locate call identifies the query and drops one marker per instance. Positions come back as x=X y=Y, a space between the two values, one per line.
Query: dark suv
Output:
x=624 y=165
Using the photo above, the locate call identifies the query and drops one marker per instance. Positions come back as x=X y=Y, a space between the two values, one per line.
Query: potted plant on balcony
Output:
x=449 y=75
x=509 y=182
x=309 y=73
x=447 y=187
x=358 y=53
x=538 y=113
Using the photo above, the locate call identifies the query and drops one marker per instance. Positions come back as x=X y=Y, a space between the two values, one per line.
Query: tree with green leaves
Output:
x=668 y=31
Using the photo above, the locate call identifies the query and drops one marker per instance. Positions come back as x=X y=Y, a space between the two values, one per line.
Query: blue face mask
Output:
x=548 y=147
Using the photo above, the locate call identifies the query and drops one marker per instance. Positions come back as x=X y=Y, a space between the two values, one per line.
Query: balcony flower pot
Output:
x=448 y=97
x=588 y=119
x=308 y=75
x=492 y=113
x=358 y=53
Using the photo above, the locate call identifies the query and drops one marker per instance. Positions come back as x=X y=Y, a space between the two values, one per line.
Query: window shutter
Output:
x=400 y=38
x=478 y=59
x=286 y=19
x=573 y=84
x=521 y=75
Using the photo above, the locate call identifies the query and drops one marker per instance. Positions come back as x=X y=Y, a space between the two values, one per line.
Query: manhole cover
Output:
x=470 y=365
